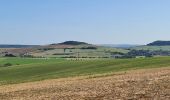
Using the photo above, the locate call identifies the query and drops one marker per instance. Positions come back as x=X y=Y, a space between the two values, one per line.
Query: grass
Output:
x=26 y=70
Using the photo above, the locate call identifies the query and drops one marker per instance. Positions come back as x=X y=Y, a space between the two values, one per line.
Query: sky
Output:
x=92 y=21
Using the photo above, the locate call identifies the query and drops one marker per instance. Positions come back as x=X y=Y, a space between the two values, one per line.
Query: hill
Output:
x=73 y=43
x=159 y=43
x=68 y=49
x=154 y=46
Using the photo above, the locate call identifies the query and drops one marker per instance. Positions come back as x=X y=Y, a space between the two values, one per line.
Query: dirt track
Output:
x=152 y=84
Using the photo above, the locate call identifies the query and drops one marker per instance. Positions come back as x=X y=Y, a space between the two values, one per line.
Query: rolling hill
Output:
x=154 y=46
x=68 y=49
x=159 y=43
x=73 y=43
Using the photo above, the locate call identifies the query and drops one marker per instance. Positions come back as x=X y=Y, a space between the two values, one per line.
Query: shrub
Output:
x=7 y=64
x=10 y=55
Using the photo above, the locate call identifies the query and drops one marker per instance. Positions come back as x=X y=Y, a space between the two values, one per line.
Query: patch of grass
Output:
x=24 y=70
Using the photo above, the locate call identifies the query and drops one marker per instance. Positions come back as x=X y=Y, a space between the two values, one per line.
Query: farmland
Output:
x=73 y=52
x=84 y=72
x=152 y=48
x=27 y=69
x=144 y=84
x=62 y=50
x=84 y=50
x=76 y=49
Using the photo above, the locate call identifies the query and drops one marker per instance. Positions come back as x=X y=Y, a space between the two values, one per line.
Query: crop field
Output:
x=143 y=84
x=101 y=79
x=19 y=70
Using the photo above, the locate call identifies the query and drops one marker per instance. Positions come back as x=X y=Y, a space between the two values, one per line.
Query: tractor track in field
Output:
x=148 y=84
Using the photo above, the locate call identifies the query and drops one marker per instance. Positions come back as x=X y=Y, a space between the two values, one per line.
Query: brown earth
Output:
x=151 y=84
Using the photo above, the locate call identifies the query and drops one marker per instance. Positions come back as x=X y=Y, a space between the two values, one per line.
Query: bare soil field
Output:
x=150 y=84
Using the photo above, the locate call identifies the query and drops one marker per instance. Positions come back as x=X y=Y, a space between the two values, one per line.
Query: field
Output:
x=152 y=48
x=60 y=52
x=63 y=51
x=150 y=84
x=101 y=79
x=27 y=70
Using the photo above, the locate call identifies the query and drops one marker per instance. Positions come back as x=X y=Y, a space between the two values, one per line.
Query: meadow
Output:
x=28 y=70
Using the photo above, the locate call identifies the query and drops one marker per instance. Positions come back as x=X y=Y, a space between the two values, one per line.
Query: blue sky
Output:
x=93 y=21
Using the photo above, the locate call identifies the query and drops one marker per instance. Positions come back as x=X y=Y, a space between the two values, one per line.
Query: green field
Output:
x=152 y=48
x=25 y=70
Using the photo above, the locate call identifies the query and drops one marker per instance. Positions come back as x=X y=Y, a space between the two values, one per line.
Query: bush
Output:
x=10 y=55
x=89 y=48
x=7 y=64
